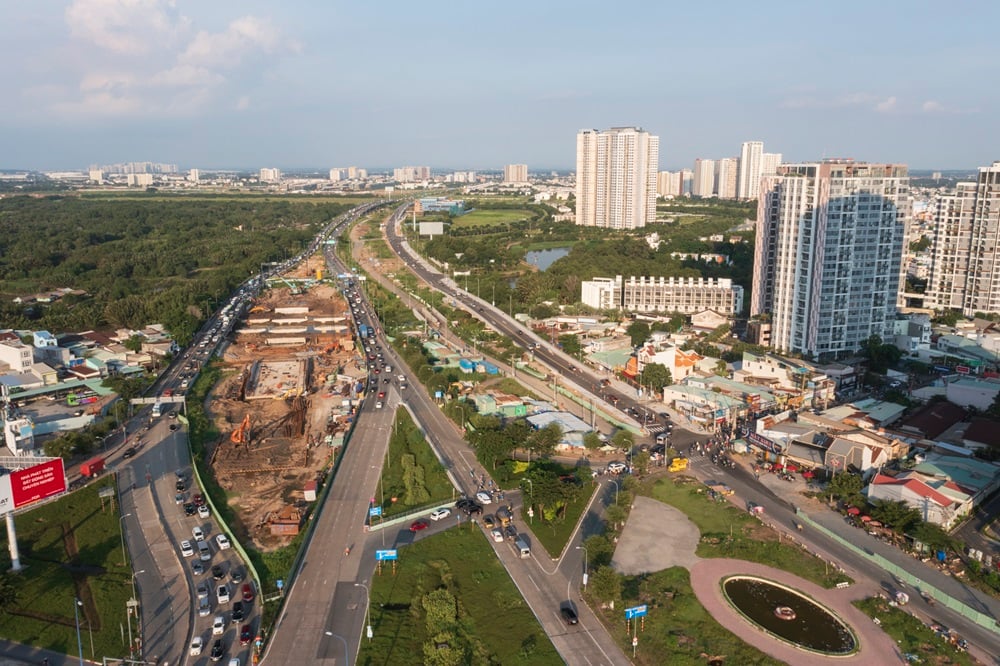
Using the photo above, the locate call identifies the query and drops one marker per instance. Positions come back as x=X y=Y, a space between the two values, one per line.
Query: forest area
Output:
x=142 y=259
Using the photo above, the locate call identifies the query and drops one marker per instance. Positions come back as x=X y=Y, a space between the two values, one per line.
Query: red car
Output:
x=198 y=499
x=246 y=635
x=381 y=394
x=247 y=592
x=419 y=525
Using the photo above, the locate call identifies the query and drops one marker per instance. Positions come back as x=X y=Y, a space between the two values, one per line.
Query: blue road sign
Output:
x=280 y=583
x=635 y=611
x=375 y=511
x=385 y=555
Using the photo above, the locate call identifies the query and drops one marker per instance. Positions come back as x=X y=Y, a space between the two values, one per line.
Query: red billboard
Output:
x=38 y=482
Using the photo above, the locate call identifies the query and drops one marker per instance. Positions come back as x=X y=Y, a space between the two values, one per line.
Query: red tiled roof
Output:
x=983 y=431
x=913 y=485
x=935 y=419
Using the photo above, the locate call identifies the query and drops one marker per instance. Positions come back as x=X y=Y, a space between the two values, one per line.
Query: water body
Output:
x=545 y=258
x=812 y=627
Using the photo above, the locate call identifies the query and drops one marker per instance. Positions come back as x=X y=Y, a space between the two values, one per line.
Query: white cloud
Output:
x=186 y=75
x=888 y=105
x=131 y=27
x=243 y=37
x=934 y=106
x=243 y=103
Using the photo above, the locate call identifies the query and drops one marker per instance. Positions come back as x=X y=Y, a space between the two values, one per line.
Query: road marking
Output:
x=534 y=583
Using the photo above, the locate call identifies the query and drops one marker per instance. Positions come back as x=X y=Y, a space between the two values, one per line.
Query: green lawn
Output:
x=553 y=536
x=912 y=635
x=727 y=531
x=424 y=483
x=493 y=624
x=492 y=217
x=70 y=548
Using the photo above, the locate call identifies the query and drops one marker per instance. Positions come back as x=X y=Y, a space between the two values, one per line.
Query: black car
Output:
x=180 y=485
x=238 y=612
x=217 y=650
x=510 y=531
x=217 y=572
x=129 y=452
x=173 y=426
x=190 y=509
x=236 y=575
x=569 y=615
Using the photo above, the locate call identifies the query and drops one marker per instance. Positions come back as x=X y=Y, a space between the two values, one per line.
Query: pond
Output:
x=545 y=258
x=789 y=615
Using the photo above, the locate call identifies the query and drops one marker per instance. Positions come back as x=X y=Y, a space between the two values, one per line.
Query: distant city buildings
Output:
x=410 y=174
x=616 y=174
x=828 y=254
x=270 y=175
x=965 y=259
x=139 y=179
x=660 y=294
x=704 y=178
x=751 y=157
x=194 y=175
x=515 y=173
x=668 y=183
x=726 y=173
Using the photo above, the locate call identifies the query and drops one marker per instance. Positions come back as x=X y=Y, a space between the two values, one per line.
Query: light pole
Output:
x=585 y=567
x=347 y=657
x=76 y=615
x=531 y=507
x=131 y=606
x=368 y=608
x=121 y=522
x=616 y=489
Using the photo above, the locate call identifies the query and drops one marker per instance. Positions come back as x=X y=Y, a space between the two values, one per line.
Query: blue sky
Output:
x=478 y=85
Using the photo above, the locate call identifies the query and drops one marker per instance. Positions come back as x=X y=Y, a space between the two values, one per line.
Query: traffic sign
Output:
x=375 y=511
x=385 y=555
x=280 y=583
x=635 y=611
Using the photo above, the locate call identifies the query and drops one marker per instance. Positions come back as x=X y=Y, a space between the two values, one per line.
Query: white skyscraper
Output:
x=668 y=183
x=515 y=173
x=828 y=254
x=769 y=163
x=751 y=156
x=965 y=264
x=616 y=177
x=726 y=172
x=270 y=175
x=704 y=178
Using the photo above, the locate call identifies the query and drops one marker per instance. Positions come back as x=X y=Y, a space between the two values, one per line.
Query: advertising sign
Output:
x=375 y=511
x=764 y=443
x=31 y=484
x=635 y=611
x=962 y=369
x=385 y=555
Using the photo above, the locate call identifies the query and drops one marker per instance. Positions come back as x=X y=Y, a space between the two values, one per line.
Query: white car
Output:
x=223 y=541
x=198 y=533
x=197 y=644
x=186 y=549
x=218 y=625
x=234 y=661
x=484 y=497
x=497 y=536
x=439 y=514
x=202 y=590
x=223 y=594
x=203 y=511
x=204 y=607
x=378 y=405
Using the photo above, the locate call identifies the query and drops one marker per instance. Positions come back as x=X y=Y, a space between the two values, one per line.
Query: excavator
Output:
x=242 y=433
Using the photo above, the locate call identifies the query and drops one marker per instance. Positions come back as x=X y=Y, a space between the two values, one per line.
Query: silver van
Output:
x=522 y=547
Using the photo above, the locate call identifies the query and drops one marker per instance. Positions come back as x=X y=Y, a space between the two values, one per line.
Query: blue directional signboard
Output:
x=635 y=611
x=375 y=511
x=385 y=555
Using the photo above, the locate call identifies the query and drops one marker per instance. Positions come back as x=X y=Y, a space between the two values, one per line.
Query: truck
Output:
x=92 y=467
x=364 y=331
x=678 y=465
x=157 y=409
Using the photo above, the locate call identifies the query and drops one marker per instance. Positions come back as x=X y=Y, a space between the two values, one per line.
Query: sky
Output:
x=474 y=85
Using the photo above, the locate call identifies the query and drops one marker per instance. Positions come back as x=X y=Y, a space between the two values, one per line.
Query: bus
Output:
x=157 y=409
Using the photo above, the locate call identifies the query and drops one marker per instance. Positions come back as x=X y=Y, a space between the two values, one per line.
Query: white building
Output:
x=726 y=172
x=17 y=355
x=965 y=265
x=751 y=158
x=649 y=294
x=769 y=163
x=616 y=173
x=270 y=175
x=411 y=174
x=96 y=176
x=668 y=183
x=828 y=256
x=704 y=178
x=515 y=173
x=139 y=179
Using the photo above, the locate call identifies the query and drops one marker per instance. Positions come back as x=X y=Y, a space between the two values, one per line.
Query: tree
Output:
x=605 y=585
x=638 y=331
x=623 y=440
x=571 y=345
x=721 y=368
x=441 y=610
x=900 y=516
x=641 y=462
x=543 y=441
x=846 y=487
x=655 y=376
x=592 y=441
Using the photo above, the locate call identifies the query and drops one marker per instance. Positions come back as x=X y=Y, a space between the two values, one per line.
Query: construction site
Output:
x=285 y=403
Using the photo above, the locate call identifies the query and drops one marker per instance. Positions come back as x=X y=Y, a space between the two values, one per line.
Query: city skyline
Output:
x=314 y=86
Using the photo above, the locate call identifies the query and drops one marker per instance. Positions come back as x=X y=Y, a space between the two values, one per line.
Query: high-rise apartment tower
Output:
x=616 y=177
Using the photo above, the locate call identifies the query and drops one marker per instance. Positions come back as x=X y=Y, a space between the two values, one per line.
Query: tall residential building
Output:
x=270 y=175
x=687 y=182
x=704 y=178
x=769 y=163
x=515 y=173
x=616 y=177
x=668 y=183
x=965 y=264
x=751 y=156
x=828 y=260
x=409 y=174
x=726 y=171
x=194 y=175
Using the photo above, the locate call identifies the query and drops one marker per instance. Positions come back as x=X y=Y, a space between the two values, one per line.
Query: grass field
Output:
x=70 y=548
x=493 y=217
x=493 y=625
x=553 y=536
x=912 y=635
x=423 y=484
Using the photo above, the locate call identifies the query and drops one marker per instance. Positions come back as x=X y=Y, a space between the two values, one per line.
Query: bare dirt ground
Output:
x=280 y=408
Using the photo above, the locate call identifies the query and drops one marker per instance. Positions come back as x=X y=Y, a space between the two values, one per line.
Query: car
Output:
x=497 y=535
x=378 y=405
x=218 y=625
x=569 y=615
x=617 y=467
x=381 y=395
x=217 y=572
x=203 y=511
x=223 y=594
x=236 y=575
x=198 y=499
x=217 y=650
x=198 y=533
x=223 y=541
x=187 y=550
x=202 y=590
x=440 y=514
x=247 y=592
x=234 y=661
x=246 y=635
x=179 y=498
x=484 y=497
x=173 y=427
x=387 y=380
x=204 y=607
x=239 y=612
x=418 y=525
x=190 y=509
x=197 y=644
x=128 y=453
x=489 y=521
x=197 y=568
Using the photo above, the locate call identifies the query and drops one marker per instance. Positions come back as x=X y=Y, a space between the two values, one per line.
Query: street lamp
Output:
x=76 y=615
x=616 y=489
x=121 y=522
x=585 y=567
x=347 y=657
x=531 y=508
x=368 y=606
x=130 y=606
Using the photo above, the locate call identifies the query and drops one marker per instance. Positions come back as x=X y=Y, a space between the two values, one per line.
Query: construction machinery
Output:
x=678 y=465
x=241 y=435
